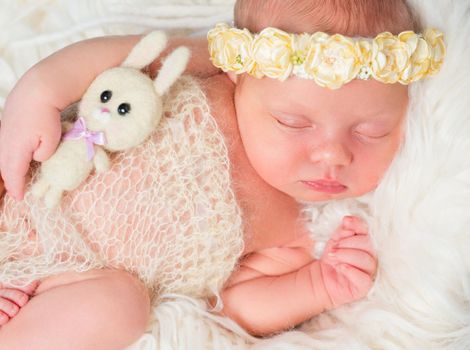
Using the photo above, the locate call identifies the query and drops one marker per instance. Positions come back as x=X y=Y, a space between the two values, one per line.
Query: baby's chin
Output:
x=315 y=197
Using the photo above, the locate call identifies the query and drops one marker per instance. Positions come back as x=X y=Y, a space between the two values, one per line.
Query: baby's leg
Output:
x=99 y=309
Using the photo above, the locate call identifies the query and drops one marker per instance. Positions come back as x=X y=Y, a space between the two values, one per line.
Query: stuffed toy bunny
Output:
x=119 y=110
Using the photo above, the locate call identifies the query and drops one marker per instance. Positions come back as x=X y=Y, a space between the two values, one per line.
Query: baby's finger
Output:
x=341 y=234
x=3 y=318
x=360 y=282
x=46 y=147
x=16 y=296
x=15 y=165
x=14 y=185
x=30 y=288
x=356 y=258
x=355 y=224
x=359 y=242
x=8 y=307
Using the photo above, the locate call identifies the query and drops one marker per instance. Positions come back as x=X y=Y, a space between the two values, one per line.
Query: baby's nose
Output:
x=104 y=110
x=331 y=154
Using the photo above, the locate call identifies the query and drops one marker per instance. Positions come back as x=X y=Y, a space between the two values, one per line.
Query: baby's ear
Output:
x=172 y=68
x=146 y=50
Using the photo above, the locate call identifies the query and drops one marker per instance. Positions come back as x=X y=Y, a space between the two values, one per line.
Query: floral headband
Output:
x=330 y=60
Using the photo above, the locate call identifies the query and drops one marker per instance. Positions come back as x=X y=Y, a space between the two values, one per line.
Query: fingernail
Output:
x=331 y=255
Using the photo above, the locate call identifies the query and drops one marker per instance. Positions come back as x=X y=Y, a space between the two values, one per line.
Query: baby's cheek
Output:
x=371 y=164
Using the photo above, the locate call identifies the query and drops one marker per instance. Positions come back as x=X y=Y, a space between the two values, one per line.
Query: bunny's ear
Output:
x=172 y=68
x=146 y=50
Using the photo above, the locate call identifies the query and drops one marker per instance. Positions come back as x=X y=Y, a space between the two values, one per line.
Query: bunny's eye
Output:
x=124 y=108
x=106 y=96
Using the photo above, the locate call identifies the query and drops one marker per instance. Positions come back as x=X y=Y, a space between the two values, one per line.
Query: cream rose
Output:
x=389 y=58
x=271 y=52
x=332 y=60
x=419 y=61
x=229 y=48
x=435 y=40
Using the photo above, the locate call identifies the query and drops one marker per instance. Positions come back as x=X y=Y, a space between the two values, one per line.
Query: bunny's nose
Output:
x=102 y=114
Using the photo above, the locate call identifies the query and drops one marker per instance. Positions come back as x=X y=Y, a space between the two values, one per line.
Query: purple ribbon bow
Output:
x=79 y=131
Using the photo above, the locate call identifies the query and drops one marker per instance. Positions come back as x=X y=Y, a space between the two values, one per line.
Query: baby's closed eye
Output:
x=292 y=121
x=371 y=131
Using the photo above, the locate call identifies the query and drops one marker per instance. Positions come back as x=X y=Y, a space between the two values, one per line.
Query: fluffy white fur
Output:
x=420 y=215
x=70 y=165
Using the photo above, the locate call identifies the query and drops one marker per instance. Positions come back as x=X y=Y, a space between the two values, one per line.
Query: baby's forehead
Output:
x=358 y=97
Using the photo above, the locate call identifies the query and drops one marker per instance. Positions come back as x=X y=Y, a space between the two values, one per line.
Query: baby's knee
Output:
x=111 y=302
x=121 y=301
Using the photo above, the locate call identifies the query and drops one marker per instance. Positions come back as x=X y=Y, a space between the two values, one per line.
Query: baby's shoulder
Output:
x=218 y=88
x=219 y=91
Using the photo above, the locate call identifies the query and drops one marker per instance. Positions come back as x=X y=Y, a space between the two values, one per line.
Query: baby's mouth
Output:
x=326 y=186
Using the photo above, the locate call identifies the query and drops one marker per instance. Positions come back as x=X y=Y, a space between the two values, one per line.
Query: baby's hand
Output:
x=348 y=263
x=30 y=129
x=12 y=300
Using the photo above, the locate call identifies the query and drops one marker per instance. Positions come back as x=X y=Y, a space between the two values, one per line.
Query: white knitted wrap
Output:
x=164 y=211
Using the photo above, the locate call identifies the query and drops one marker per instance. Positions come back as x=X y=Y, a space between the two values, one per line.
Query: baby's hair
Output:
x=365 y=18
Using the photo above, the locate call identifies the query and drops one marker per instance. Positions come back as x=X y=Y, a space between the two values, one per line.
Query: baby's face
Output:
x=316 y=144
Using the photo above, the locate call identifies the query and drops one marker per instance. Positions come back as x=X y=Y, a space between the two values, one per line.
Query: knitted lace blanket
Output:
x=165 y=211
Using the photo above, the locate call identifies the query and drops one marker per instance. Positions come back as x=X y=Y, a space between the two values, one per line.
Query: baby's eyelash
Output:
x=371 y=137
x=291 y=125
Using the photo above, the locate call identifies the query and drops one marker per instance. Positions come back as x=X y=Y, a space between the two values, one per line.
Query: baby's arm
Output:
x=264 y=303
x=31 y=119
x=268 y=304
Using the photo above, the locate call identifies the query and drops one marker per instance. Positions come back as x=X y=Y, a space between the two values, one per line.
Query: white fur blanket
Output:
x=421 y=211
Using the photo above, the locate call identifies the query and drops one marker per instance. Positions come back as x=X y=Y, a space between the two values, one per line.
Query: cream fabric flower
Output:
x=301 y=47
x=272 y=50
x=389 y=58
x=419 y=61
x=332 y=60
x=435 y=39
x=229 y=48
x=329 y=60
